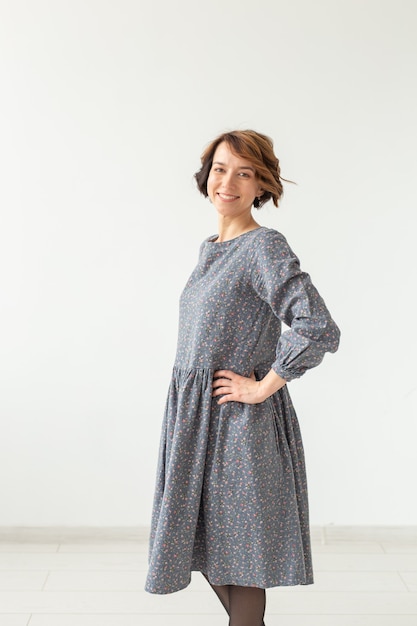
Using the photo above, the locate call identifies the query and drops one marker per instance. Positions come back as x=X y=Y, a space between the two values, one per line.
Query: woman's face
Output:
x=232 y=184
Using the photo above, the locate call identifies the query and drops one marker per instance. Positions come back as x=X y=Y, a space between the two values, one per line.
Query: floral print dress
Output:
x=231 y=490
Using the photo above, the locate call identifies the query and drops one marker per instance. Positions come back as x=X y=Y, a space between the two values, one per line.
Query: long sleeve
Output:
x=279 y=281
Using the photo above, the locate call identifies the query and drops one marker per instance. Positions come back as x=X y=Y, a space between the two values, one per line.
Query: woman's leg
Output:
x=222 y=592
x=244 y=605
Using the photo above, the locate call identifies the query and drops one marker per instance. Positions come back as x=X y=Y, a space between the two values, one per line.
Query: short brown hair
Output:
x=258 y=149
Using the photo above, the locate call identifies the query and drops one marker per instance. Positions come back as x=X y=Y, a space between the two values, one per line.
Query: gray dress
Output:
x=231 y=491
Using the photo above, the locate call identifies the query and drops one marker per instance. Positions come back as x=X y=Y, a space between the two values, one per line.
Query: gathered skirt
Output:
x=231 y=491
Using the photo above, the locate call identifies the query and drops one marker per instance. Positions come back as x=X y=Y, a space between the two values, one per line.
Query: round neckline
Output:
x=219 y=243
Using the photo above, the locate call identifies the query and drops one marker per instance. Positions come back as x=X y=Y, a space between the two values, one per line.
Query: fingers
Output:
x=222 y=380
x=224 y=374
x=233 y=387
x=230 y=386
x=222 y=385
x=223 y=391
x=226 y=399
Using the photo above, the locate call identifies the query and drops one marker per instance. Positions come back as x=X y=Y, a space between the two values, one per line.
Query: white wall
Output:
x=105 y=109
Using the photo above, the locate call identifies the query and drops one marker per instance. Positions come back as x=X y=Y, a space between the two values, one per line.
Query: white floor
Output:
x=89 y=577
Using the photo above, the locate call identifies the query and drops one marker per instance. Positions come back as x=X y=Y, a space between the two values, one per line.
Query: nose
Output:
x=227 y=180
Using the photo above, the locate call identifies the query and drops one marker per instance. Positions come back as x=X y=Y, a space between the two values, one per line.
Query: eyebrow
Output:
x=243 y=167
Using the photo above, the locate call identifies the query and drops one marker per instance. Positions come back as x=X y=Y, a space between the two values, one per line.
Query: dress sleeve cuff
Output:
x=287 y=374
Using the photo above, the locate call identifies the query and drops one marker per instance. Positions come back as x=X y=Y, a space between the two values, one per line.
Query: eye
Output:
x=243 y=174
x=218 y=169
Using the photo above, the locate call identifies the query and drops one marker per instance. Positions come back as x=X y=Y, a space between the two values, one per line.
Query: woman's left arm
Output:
x=278 y=279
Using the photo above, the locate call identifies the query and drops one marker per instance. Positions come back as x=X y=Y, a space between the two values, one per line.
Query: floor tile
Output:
x=370 y=533
x=351 y=547
x=399 y=547
x=95 y=581
x=346 y=603
x=365 y=562
x=353 y=581
x=410 y=579
x=215 y=620
x=199 y=603
x=317 y=534
x=22 y=581
x=72 y=561
x=334 y=620
x=25 y=546
x=15 y=620
x=129 y=620
x=108 y=602
x=44 y=534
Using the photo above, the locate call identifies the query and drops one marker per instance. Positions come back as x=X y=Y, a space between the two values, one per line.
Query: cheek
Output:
x=210 y=183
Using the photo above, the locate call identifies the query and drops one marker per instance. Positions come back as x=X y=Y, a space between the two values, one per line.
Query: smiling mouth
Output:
x=227 y=197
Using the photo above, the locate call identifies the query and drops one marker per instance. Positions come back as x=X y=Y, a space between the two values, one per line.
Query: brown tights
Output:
x=245 y=606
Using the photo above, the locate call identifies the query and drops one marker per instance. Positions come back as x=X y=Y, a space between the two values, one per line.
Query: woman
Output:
x=231 y=492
